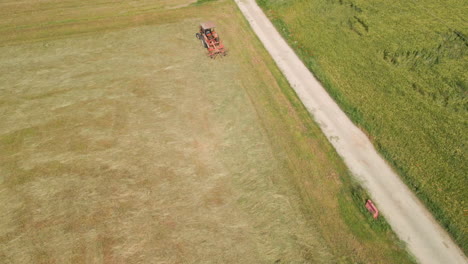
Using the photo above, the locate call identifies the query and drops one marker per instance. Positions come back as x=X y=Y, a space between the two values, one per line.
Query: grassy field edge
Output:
x=352 y=196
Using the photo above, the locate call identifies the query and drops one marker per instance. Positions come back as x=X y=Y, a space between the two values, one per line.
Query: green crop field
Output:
x=399 y=70
x=122 y=142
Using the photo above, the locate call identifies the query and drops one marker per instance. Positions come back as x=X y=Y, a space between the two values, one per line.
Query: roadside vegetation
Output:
x=121 y=142
x=399 y=70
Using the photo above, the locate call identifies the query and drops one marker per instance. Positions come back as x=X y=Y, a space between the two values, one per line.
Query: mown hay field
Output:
x=399 y=70
x=121 y=142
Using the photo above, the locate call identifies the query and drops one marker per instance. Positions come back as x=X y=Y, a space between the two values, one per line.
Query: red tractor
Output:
x=210 y=40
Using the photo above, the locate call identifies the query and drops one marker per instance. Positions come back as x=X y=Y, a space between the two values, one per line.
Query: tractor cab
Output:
x=208 y=29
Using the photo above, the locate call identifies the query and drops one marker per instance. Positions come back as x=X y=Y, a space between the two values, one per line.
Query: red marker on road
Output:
x=372 y=209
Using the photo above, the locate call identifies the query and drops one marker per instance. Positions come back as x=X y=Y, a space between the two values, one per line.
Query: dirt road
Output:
x=426 y=240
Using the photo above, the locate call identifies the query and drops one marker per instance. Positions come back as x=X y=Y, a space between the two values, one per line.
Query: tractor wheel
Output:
x=198 y=36
x=204 y=43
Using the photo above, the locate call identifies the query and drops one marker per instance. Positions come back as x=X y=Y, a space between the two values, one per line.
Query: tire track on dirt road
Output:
x=410 y=220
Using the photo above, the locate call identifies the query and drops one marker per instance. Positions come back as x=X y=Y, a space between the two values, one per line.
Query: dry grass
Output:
x=122 y=147
x=120 y=142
